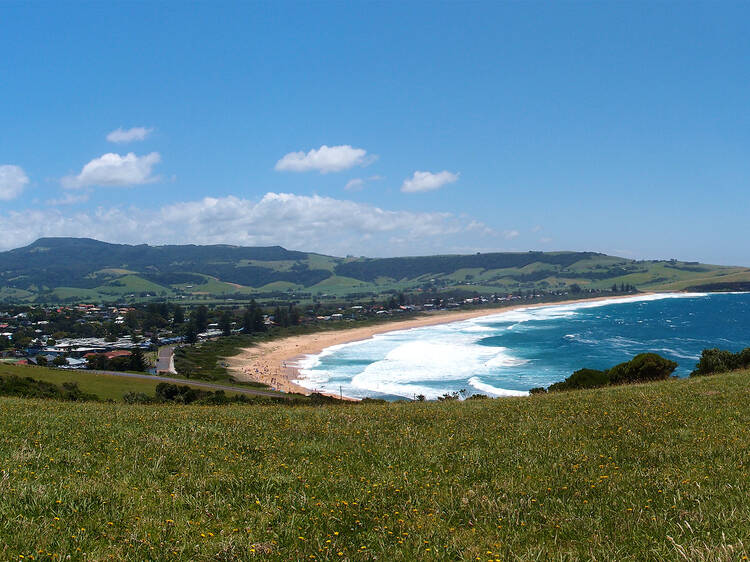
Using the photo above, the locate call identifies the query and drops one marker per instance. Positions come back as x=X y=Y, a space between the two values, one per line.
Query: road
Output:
x=165 y=360
x=192 y=382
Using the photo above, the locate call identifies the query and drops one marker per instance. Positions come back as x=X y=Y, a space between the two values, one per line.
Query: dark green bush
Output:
x=31 y=388
x=715 y=360
x=642 y=368
x=137 y=398
x=583 y=378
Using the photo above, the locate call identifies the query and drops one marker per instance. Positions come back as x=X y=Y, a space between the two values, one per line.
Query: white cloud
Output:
x=129 y=135
x=13 y=180
x=355 y=184
x=69 y=199
x=325 y=159
x=427 y=181
x=114 y=170
x=311 y=223
x=511 y=234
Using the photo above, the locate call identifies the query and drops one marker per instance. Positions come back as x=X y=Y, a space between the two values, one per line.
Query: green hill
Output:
x=109 y=386
x=645 y=472
x=70 y=269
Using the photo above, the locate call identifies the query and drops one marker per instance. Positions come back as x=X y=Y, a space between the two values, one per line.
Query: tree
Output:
x=575 y=288
x=259 y=324
x=252 y=320
x=59 y=361
x=247 y=321
x=178 y=316
x=293 y=315
x=200 y=318
x=137 y=361
x=132 y=319
x=225 y=323
x=191 y=333
x=281 y=317
x=98 y=362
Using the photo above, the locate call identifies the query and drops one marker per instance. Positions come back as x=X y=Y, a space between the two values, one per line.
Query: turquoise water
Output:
x=508 y=353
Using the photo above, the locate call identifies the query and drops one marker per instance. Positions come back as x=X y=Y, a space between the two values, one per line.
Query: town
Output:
x=128 y=337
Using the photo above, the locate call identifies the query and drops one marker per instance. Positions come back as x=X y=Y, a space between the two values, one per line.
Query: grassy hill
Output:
x=105 y=387
x=80 y=269
x=647 y=472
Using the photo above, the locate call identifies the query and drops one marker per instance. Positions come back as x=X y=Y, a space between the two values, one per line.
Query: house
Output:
x=110 y=354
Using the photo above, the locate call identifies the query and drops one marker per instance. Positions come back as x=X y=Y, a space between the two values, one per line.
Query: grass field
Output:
x=649 y=472
x=106 y=387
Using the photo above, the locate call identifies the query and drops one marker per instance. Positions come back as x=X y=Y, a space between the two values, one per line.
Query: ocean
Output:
x=508 y=353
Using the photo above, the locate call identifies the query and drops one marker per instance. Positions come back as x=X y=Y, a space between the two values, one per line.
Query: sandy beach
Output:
x=273 y=363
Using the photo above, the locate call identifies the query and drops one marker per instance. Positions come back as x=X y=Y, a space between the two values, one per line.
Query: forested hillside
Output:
x=69 y=269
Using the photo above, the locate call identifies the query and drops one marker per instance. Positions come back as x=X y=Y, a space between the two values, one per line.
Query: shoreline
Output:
x=274 y=363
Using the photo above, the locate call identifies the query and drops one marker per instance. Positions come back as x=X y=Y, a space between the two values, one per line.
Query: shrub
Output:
x=32 y=388
x=583 y=378
x=715 y=361
x=642 y=368
x=373 y=401
x=720 y=361
x=136 y=398
x=743 y=358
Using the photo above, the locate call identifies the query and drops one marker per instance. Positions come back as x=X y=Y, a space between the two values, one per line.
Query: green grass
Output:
x=119 y=287
x=649 y=472
x=131 y=284
x=15 y=295
x=106 y=387
x=213 y=286
x=207 y=360
x=338 y=282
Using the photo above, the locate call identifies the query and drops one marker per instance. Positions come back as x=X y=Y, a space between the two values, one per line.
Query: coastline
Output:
x=274 y=362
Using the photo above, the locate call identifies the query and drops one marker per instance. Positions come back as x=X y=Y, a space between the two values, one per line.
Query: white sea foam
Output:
x=493 y=390
x=553 y=311
x=433 y=360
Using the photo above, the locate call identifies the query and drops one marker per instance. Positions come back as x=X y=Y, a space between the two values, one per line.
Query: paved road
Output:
x=165 y=360
x=192 y=382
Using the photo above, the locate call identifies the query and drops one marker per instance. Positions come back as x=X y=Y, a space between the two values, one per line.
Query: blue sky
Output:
x=458 y=127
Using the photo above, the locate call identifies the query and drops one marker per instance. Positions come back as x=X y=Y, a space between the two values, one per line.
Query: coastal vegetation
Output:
x=656 y=471
x=28 y=387
x=644 y=367
x=100 y=386
x=714 y=361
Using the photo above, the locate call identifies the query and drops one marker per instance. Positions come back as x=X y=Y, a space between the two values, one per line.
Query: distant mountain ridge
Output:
x=69 y=268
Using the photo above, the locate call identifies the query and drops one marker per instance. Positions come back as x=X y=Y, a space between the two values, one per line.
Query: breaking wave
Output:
x=507 y=353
